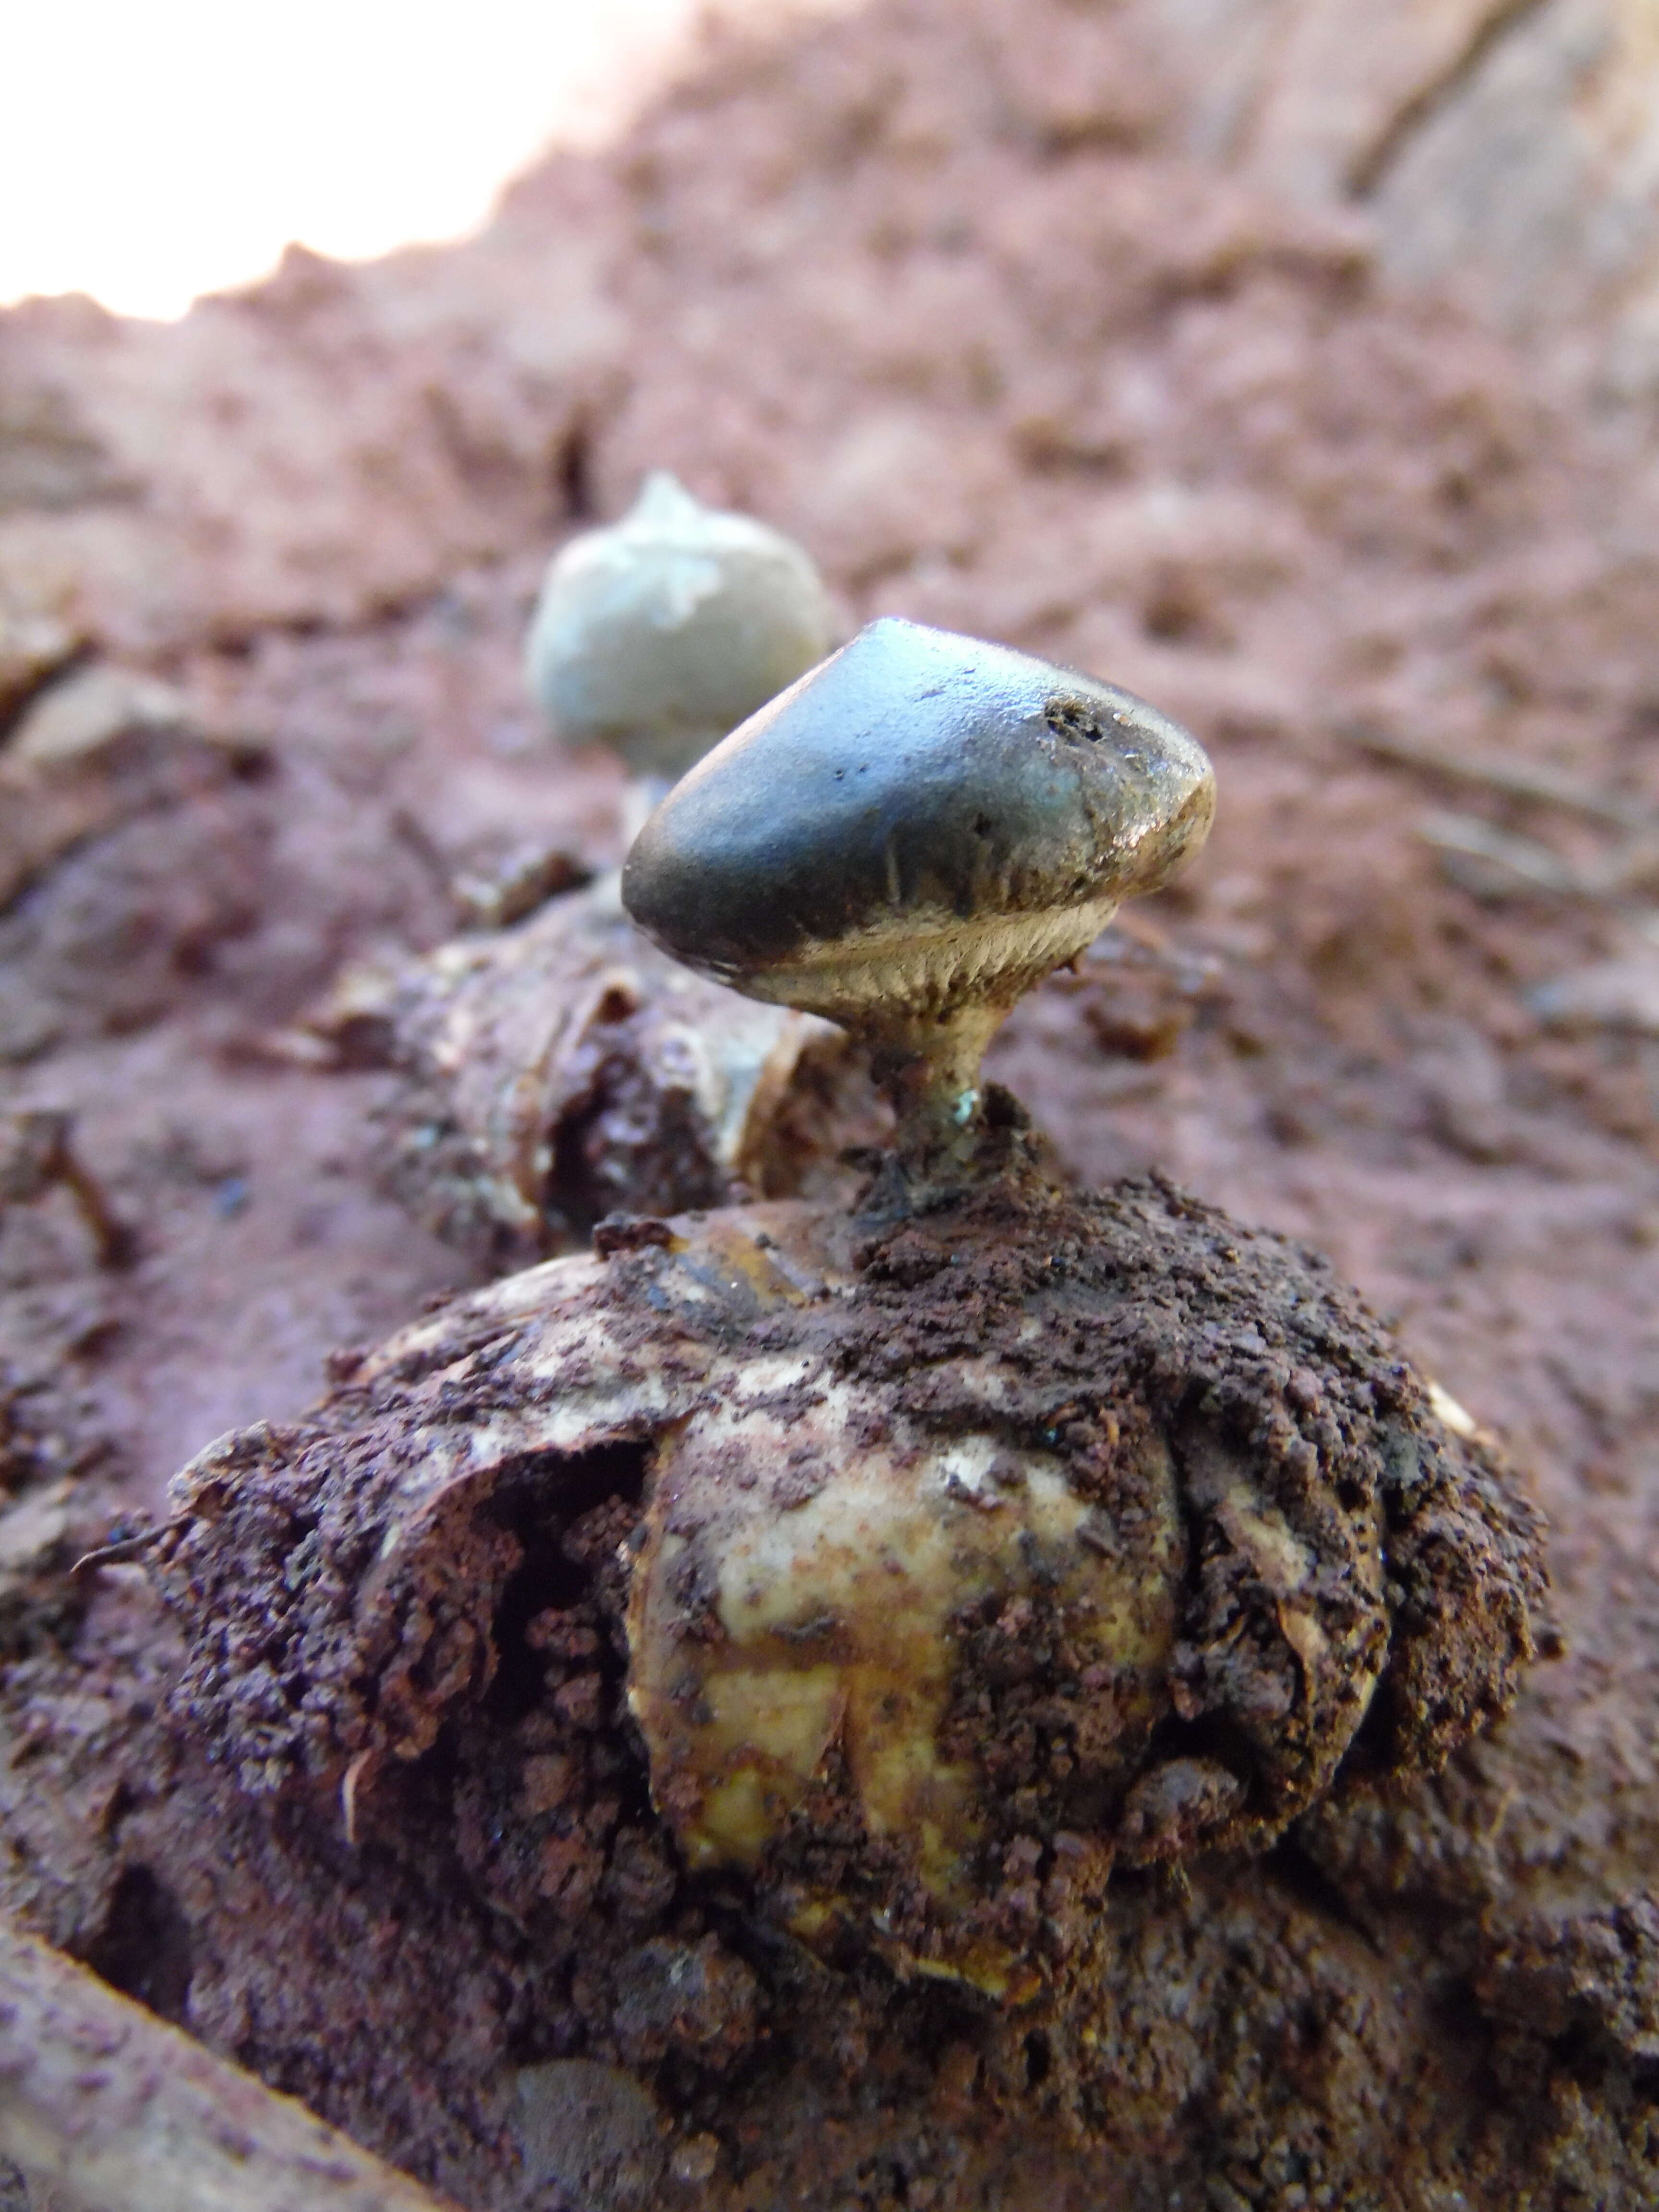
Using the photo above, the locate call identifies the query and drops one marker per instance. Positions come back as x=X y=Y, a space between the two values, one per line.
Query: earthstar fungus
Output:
x=919 y=1563
x=559 y=1067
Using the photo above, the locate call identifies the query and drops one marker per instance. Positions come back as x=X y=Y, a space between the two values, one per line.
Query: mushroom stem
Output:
x=930 y=1071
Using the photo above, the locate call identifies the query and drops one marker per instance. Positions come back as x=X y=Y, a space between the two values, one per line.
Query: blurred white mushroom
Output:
x=562 y=1067
x=663 y=631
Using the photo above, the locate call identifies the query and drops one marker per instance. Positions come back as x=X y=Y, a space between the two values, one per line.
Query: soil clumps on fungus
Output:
x=943 y=293
x=411 y=1612
x=368 y=1554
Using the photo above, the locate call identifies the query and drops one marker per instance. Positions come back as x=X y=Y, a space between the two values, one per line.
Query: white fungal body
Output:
x=812 y=1563
x=932 y=1615
x=664 y=631
x=812 y=1567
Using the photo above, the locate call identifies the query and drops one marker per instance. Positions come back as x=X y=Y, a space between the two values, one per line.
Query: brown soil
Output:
x=952 y=311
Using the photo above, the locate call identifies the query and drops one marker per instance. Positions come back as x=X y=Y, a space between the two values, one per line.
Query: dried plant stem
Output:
x=36 y=1153
x=105 y=2108
x=1552 y=787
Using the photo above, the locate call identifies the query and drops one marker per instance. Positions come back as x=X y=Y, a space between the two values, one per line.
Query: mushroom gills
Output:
x=926 y=968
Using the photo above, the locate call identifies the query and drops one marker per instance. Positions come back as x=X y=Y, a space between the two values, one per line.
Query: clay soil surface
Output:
x=932 y=288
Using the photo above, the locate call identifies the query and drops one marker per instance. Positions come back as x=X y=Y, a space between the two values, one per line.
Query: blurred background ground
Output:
x=1291 y=362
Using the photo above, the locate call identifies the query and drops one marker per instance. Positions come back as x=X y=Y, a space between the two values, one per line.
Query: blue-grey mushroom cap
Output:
x=922 y=821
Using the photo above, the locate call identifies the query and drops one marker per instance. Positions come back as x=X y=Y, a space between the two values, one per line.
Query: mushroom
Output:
x=562 y=1067
x=906 y=841
x=660 y=633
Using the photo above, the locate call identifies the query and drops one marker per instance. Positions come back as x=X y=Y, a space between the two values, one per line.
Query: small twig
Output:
x=416 y=840
x=120 y=1554
x=1504 y=861
x=114 y=1241
x=1497 y=863
x=1520 y=779
x=1632 y=866
x=36 y=1155
x=107 y=2109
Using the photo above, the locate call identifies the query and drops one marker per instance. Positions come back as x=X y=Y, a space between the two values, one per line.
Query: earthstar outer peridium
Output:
x=907 y=840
